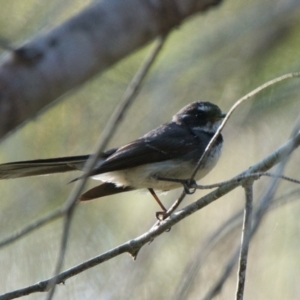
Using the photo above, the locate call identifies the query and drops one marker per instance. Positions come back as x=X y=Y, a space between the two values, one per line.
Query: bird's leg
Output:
x=189 y=185
x=160 y=214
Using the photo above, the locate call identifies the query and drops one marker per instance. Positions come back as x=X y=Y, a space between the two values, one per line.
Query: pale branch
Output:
x=216 y=238
x=52 y=63
x=246 y=234
x=260 y=213
x=133 y=246
x=264 y=203
x=227 y=269
x=253 y=176
x=62 y=251
x=108 y=132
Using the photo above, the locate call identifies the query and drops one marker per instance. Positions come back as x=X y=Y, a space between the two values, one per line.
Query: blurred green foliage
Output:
x=218 y=56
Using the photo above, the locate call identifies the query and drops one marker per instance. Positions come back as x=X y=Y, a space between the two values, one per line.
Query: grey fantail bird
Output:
x=168 y=152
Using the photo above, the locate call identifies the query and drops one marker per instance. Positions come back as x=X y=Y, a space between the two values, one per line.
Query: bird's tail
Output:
x=58 y=165
x=42 y=166
x=47 y=166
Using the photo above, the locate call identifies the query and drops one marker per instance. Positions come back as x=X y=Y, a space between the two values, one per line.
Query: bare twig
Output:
x=264 y=205
x=228 y=115
x=62 y=251
x=265 y=202
x=254 y=176
x=216 y=238
x=105 y=137
x=235 y=106
x=218 y=285
x=245 y=241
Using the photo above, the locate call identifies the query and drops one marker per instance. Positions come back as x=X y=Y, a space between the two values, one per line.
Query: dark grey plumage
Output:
x=169 y=151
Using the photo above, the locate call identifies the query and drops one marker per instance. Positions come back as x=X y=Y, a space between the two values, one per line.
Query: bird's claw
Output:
x=190 y=186
x=160 y=215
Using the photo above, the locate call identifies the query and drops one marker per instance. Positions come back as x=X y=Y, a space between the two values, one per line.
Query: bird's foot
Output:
x=189 y=185
x=161 y=215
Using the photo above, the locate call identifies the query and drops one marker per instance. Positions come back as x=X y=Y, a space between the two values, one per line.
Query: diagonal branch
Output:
x=219 y=236
x=133 y=246
x=107 y=134
x=264 y=204
x=246 y=234
x=254 y=176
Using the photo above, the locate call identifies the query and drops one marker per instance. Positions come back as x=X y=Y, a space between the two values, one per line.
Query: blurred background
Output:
x=218 y=56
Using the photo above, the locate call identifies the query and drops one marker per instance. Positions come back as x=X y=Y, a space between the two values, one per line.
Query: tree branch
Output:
x=38 y=72
x=264 y=204
x=254 y=176
x=246 y=234
x=219 y=236
x=218 y=132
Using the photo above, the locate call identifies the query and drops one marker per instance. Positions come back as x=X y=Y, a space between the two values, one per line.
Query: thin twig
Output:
x=219 y=236
x=228 y=115
x=254 y=176
x=264 y=204
x=218 y=285
x=266 y=200
x=105 y=137
x=235 y=106
x=245 y=241
x=62 y=251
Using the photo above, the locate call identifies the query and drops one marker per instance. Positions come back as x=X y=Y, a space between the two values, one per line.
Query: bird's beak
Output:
x=221 y=116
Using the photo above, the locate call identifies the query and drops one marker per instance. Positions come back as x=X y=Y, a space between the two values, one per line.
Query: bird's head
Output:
x=200 y=115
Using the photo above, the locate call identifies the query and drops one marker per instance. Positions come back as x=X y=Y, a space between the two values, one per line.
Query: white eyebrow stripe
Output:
x=204 y=107
x=185 y=115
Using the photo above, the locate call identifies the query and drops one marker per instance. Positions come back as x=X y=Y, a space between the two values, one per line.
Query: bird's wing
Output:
x=163 y=143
